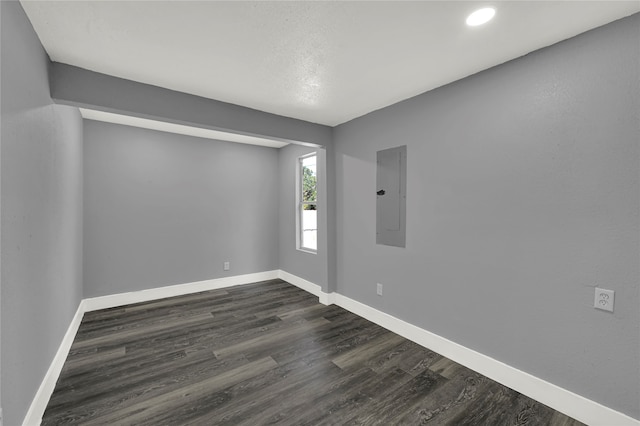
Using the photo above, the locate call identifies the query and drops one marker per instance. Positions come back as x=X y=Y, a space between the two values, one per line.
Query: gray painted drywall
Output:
x=1 y=414
x=162 y=209
x=310 y=266
x=79 y=87
x=41 y=215
x=332 y=259
x=522 y=195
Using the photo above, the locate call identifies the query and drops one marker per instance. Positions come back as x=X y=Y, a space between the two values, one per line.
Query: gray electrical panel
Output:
x=391 y=194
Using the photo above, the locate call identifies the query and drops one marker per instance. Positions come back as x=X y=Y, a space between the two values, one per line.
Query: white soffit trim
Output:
x=163 y=126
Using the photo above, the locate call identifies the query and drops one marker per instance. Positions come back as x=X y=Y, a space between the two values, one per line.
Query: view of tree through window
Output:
x=308 y=203
x=309 y=191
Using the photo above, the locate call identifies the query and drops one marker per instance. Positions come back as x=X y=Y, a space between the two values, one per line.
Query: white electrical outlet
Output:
x=604 y=299
x=226 y=266
x=379 y=289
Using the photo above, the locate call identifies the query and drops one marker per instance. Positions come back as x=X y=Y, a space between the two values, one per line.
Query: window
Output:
x=307 y=219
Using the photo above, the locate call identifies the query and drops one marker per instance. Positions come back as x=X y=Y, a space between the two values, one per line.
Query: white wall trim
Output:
x=560 y=399
x=305 y=285
x=328 y=298
x=114 y=300
x=308 y=286
x=41 y=399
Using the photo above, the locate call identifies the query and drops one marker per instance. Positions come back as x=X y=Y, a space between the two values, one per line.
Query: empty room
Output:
x=320 y=213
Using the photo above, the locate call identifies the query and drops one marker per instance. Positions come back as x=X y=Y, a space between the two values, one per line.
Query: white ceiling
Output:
x=324 y=62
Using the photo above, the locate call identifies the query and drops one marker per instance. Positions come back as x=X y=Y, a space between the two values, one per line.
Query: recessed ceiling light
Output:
x=480 y=16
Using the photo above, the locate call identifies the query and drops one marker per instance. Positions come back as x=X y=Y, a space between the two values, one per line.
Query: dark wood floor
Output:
x=267 y=353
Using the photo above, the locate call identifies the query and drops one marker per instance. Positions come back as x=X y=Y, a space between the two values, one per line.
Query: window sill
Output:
x=306 y=250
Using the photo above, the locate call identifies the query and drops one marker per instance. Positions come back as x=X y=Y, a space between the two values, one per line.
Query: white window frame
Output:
x=300 y=203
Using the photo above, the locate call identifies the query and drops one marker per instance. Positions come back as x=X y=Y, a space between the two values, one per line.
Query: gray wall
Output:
x=312 y=267
x=79 y=87
x=523 y=194
x=41 y=215
x=332 y=234
x=161 y=209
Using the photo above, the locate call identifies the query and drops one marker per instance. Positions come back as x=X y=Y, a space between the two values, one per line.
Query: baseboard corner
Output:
x=560 y=399
x=44 y=392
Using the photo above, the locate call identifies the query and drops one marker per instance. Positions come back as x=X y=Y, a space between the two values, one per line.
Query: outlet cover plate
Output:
x=604 y=299
x=379 y=289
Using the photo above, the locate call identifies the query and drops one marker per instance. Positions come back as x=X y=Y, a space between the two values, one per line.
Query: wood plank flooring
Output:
x=268 y=353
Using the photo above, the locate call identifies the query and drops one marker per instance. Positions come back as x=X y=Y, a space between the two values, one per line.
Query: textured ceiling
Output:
x=324 y=62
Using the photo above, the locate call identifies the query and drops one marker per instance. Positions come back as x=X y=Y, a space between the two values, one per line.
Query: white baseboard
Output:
x=308 y=286
x=560 y=399
x=120 y=299
x=569 y=403
x=41 y=399
x=328 y=298
x=305 y=285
